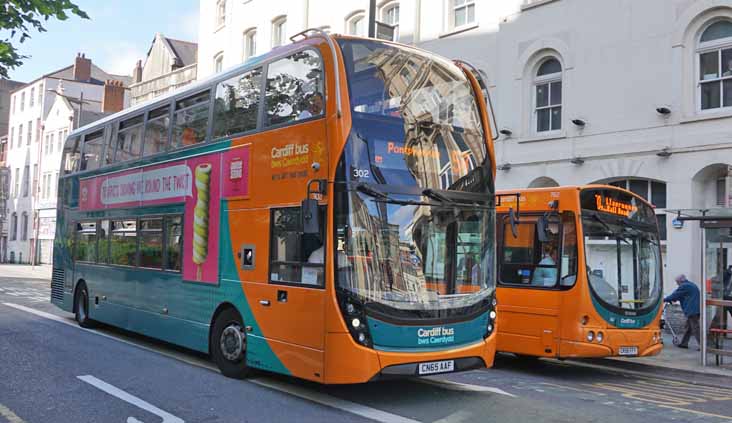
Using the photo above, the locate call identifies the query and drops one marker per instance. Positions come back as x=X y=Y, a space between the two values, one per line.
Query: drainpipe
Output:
x=306 y=14
x=417 y=21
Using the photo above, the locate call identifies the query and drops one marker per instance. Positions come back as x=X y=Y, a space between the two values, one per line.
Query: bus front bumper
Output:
x=352 y=363
x=616 y=343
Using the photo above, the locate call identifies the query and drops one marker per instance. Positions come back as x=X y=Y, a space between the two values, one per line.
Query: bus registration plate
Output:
x=436 y=367
x=628 y=351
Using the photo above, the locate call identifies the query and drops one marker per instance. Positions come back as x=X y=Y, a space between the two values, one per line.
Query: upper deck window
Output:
x=236 y=108
x=129 y=139
x=190 y=121
x=93 y=150
x=294 y=88
x=156 y=131
x=71 y=155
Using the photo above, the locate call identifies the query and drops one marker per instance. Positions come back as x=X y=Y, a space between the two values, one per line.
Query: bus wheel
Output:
x=81 y=308
x=229 y=344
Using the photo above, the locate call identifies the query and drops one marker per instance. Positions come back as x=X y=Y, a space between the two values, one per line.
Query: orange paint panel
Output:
x=347 y=362
x=302 y=362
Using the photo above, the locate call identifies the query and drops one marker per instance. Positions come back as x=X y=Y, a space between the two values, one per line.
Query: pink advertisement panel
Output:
x=197 y=182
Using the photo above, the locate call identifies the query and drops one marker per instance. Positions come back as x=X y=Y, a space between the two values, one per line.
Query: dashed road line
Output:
x=584 y=391
x=127 y=397
x=701 y=413
x=9 y=415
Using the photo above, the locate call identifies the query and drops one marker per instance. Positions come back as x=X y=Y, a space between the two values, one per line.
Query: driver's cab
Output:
x=537 y=262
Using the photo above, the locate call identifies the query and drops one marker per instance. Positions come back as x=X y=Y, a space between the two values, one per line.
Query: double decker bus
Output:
x=310 y=212
x=579 y=273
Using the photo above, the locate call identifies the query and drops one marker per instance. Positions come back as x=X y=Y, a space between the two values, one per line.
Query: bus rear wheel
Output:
x=229 y=344
x=81 y=307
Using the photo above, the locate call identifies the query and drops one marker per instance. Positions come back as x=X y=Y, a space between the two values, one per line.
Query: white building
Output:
x=30 y=107
x=633 y=93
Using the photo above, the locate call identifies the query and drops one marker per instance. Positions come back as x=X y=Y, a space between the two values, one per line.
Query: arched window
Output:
x=218 y=62
x=356 y=25
x=24 y=227
x=390 y=16
x=548 y=96
x=250 y=43
x=715 y=66
x=220 y=13
x=653 y=191
x=279 y=31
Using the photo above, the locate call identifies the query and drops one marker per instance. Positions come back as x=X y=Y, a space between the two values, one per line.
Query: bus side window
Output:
x=568 y=275
x=103 y=243
x=236 y=107
x=123 y=242
x=129 y=139
x=294 y=88
x=151 y=243
x=156 y=131
x=190 y=121
x=86 y=242
x=93 y=150
x=295 y=257
x=525 y=260
x=71 y=155
x=173 y=242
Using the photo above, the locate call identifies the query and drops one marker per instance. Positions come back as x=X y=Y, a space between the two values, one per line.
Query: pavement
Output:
x=53 y=371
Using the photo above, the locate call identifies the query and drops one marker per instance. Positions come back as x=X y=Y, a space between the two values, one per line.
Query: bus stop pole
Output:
x=703 y=328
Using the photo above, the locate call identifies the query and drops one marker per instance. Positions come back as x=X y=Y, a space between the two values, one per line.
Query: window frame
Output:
x=501 y=232
x=211 y=89
x=384 y=10
x=263 y=100
x=353 y=19
x=452 y=8
x=260 y=104
x=303 y=264
x=250 y=40
x=278 y=31
x=220 y=15
x=718 y=46
x=547 y=80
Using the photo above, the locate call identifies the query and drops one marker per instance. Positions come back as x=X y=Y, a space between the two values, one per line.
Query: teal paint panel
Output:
x=625 y=322
x=259 y=353
x=389 y=337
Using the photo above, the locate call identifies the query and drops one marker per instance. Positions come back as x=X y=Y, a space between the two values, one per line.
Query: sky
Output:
x=118 y=33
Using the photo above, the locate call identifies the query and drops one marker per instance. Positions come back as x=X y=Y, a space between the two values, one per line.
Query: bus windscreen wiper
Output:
x=373 y=192
x=435 y=195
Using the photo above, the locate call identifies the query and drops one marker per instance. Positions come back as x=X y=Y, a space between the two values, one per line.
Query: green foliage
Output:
x=20 y=17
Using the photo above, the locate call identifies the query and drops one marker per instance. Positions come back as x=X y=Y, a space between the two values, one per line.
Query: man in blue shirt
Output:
x=687 y=294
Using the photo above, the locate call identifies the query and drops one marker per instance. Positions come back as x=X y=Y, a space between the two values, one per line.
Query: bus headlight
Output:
x=492 y=315
x=356 y=323
x=599 y=337
x=490 y=328
x=494 y=302
x=355 y=319
x=590 y=336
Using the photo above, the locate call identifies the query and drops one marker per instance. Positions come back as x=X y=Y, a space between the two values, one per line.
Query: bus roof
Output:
x=565 y=189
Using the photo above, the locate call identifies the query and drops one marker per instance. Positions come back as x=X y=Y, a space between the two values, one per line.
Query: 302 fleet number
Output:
x=361 y=173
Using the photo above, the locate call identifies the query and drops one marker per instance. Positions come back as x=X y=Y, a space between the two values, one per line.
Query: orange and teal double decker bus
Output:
x=579 y=273
x=319 y=211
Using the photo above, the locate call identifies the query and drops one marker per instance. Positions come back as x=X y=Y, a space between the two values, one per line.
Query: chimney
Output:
x=82 y=68
x=113 y=99
x=137 y=72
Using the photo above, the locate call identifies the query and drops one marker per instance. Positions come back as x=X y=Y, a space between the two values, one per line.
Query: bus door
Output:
x=528 y=295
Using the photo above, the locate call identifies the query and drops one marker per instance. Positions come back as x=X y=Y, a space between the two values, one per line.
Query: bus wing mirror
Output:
x=310 y=216
x=514 y=221
x=542 y=227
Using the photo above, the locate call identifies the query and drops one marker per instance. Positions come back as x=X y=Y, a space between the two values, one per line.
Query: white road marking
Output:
x=464 y=387
x=456 y=417
x=124 y=396
x=9 y=415
x=327 y=400
x=344 y=405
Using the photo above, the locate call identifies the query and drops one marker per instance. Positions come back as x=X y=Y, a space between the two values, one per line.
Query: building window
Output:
x=20 y=135
x=721 y=192
x=22 y=101
x=26 y=180
x=356 y=25
x=218 y=62
x=14 y=227
x=32 y=97
x=38 y=129
x=390 y=16
x=24 y=227
x=652 y=191
x=715 y=66
x=250 y=43
x=34 y=192
x=30 y=132
x=40 y=94
x=279 y=28
x=10 y=139
x=220 y=13
x=462 y=13
x=16 y=186
x=548 y=96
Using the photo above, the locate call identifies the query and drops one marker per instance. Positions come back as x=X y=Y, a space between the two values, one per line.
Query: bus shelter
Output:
x=716 y=292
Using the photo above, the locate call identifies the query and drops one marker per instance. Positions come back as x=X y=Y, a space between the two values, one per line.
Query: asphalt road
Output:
x=53 y=371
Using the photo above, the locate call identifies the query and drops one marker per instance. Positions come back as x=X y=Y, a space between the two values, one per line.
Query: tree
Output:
x=20 y=17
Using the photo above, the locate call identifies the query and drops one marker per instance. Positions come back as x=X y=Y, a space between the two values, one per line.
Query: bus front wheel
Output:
x=229 y=344
x=81 y=307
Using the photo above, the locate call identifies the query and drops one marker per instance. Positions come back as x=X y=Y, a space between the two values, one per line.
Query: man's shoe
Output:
x=686 y=347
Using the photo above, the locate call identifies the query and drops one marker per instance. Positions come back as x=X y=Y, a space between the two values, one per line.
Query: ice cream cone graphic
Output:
x=200 y=217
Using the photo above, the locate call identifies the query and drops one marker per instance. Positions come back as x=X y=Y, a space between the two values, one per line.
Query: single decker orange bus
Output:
x=579 y=273
x=296 y=213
